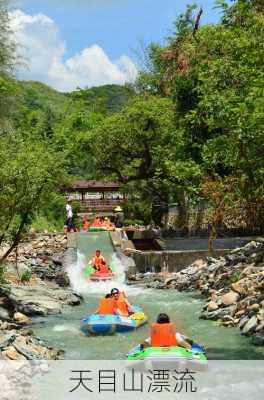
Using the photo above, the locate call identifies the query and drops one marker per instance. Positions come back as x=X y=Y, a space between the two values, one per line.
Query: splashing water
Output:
x=66 y=328
x=80 y=284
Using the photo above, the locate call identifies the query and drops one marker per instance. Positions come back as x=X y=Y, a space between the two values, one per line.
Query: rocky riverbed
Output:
x=233 y=287
x=44 y=292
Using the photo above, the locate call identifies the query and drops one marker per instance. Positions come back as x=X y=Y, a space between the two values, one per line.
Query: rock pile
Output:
x=18 y=343
x=44 y=293
x=41 y=256
x=233 y=286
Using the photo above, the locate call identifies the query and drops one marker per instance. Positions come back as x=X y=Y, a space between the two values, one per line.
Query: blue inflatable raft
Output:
x=108 y=324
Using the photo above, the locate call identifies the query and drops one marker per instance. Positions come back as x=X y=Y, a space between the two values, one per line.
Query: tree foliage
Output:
x=214 y=76
x=27 y=180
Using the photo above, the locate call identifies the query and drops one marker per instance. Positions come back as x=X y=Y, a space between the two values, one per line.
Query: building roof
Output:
x=95 y=186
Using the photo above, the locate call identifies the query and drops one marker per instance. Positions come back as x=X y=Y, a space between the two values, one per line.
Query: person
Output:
x=163 y=334
x=85 y=223
x=123 y=306
x=119 y=217
x=106 y=306
x=108 y=224
x=104 y=268
x=97 y=260
x=97 y=222
x=69 y=221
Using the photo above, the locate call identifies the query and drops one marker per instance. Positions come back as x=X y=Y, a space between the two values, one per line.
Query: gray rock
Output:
x=6 y=339
x=62 y=279
x=233 y=259
x=154 y=285
x=218 y=314
x=171 y=281
x=216 y=265
x=57 y=260
x=4 y=314
x=41 y=300
x=29 y=355
x=190 y=270
x=35 y=262
x=243 y=322
x=250 y=326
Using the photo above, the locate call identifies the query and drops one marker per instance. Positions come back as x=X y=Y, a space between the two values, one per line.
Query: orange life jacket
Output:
x=85 y=225
x=163 y=335
x=122 y=305
x=107 y=306
x=97 y=222
x=97 y=261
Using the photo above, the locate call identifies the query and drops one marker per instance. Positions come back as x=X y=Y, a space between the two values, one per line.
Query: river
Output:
x=63 y=331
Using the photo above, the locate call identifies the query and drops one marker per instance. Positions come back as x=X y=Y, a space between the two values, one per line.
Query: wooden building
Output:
x=96 y=196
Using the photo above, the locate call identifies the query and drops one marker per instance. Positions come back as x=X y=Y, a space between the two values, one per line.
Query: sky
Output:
x=84 y=43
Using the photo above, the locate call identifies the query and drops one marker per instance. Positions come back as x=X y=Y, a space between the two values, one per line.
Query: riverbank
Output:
x=232 y=286
x=34 y=283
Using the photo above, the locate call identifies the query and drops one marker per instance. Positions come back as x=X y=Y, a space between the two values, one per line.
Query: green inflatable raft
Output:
x=171 y=358
x=97 y=229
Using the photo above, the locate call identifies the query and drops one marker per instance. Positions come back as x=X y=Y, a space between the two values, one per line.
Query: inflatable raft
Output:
x=99 y=276
x=97 y=228
x=108 y=324
x=170 y=358
x=93 y=275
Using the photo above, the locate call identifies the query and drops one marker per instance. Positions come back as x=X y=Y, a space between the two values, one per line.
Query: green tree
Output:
x=214 y=76
x=29 y=173
x=142 y=149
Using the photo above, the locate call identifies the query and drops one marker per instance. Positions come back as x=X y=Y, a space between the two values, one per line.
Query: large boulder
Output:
x=230 y=298
x=41 y=300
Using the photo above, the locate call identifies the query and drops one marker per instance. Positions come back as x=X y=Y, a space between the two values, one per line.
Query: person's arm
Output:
x=182 y=342
x=145 y=344
x=128 y=304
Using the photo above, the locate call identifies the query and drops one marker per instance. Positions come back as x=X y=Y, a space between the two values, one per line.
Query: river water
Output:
x=63 y=331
